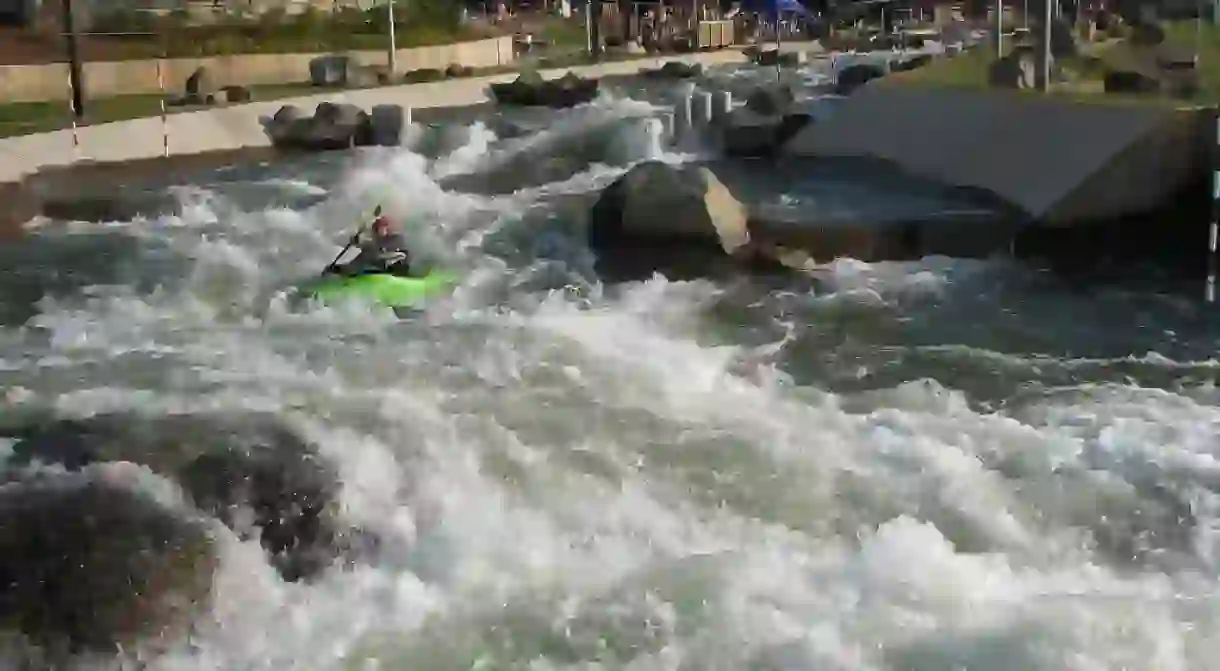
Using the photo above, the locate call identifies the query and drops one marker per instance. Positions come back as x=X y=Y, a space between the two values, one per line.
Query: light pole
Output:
x=393 y=48
x=999 y=29
x=74 y=68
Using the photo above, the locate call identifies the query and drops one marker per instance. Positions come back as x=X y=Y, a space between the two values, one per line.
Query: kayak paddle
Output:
x=376 y=213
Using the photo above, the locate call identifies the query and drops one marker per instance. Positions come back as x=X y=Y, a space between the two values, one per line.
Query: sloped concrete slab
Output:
x=1055 y=160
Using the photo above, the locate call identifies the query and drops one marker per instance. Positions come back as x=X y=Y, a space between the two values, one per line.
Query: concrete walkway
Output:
x=235 y=127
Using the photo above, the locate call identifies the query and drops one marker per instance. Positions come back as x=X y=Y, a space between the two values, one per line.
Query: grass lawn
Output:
x=24 y=118
x=40 y=117
x=969 y=70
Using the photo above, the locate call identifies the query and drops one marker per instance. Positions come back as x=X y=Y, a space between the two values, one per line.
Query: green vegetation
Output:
x=1084 y=73
x=418 y=23
x=39 y=117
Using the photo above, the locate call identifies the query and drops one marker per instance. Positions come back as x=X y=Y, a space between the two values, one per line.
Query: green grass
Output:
x=39 y=117
x=24 y=118
x=1085 y=72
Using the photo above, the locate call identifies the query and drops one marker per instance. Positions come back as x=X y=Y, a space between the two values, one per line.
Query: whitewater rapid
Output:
x=932 y=465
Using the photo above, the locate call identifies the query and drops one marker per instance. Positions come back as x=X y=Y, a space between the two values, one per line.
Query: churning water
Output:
x=933 y=465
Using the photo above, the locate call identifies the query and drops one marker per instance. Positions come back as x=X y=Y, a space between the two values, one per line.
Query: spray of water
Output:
x=573 y=476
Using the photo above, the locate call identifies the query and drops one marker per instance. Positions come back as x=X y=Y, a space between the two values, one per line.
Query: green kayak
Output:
x=390 y=290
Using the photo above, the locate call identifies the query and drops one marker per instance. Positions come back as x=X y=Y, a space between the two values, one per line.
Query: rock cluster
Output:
x=674 y=70
x=335 y=126
x=529 y=89
x=200 y=89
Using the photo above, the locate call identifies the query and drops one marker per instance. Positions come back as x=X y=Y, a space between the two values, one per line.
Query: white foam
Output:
x=586 y=476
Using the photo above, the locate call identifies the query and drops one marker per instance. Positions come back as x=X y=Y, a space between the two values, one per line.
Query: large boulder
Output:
x=747 y=134
x=235 y=94
x=1177 y=70
x=913 y=63
x=337 y=126
x=657 y=210
x=853 y=77
x=199 y=86
x=1063 y=40
x=332 y=70
x=332 y=126
x=252 y=472
x=763 y=125
x=770 y=100
x=530 y=90
x=423 y=75
x=771 y=57
x=1016 y=70
x=1131 y=82
x=90 y=564
x=674 y=70
x=1147 y=34
x=387 y=123
x=199 y=89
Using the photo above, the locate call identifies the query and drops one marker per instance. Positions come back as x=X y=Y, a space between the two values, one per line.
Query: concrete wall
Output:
x=110 y=78
x=1055 y=159
x=236 y=127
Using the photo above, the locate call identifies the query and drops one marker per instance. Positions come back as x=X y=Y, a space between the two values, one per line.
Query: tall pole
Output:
x=1042 y=59
x=74 y=69
x=779 y=38
x=595 y=29
x=393 y=48
x=1045 y=66
x=589 y=26
x=999 y=29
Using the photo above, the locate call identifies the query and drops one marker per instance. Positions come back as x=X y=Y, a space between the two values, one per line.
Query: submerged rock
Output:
x=88 y=565
x=252 y=472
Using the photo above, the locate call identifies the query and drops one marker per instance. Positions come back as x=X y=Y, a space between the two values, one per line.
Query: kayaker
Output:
x=383 y=251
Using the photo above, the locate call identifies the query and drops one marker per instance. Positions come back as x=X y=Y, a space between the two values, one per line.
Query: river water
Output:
x=932 y=465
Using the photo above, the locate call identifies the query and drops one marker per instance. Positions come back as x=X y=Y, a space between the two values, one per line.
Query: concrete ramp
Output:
x=1055 y=159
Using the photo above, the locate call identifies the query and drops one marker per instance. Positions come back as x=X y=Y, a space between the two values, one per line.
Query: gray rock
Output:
x=199 y=85
x=423 y=75
x=336 y=126
x=1014 y=71
x=530 y=90
x=227 y=464
x=1063 y=40
x=88 y=565
x=235 y=94
x=914 y=63
x=674 y=70
x=772 y=57
x=655 y=200
x=331 y=70
x=853 y=77
x=387 y=125
x=770 y=100
x=748 y=134
x=1131 y=82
